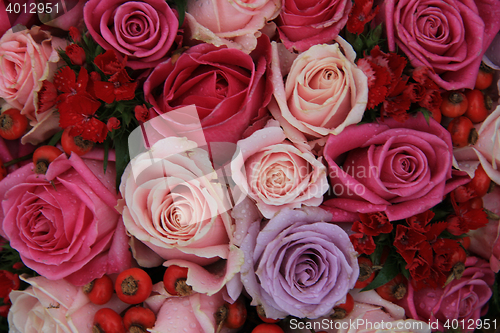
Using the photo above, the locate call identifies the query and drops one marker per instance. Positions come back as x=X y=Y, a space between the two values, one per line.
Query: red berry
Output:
x=366 y=273
x=75 y=144
x=140 y=318
x=108 y=321
x=454 y=104
x=262 y=315
x=13 y=124
x=484 y=77
x=393 y=290
x=133 y=286
x=462 y=132
x=100 y=290
x=343 y=310
x=476 y=111
x=232 y=315
x=268 y=328
x=436 y=114
x=43 y=156
x=174 y=281
x=465 y=241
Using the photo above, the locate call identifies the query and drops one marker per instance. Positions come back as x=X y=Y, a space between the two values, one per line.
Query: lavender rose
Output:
x=464 y=299
x=298 y=264
x=142 y=31
x=399 y=168
x=304 y=24
x=64 y=224
x=449 y=37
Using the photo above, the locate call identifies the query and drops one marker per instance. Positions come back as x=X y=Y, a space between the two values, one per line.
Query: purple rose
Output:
x=299 y=264
x=142 y=31
x=449 y=37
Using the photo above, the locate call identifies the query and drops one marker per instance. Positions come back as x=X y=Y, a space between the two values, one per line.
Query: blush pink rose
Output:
x=229 y=88
x=399 y=168
x=141 y=31
x=176 y=209
x=236 y=24
x=304 y=24
x=276 y=174
x=448 y=37
x=63 y=223
x=54 y=306
x=324 y=91
x=27 y=58
x=464 y=299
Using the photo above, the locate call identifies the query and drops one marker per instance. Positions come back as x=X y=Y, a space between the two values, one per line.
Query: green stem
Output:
x=17 y=160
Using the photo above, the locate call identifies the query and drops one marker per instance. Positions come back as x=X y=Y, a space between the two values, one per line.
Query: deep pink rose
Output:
x=63 y=223
x=64 y=14
x=142 y=31
x=464 y=299
x=399 y=168
x=276 y=174
x=11 y=18
x=54 y=306
x=229 y=89
x=304 y=24
x=236 y=24
x=298 y=263
x=27 y=58
x=448 y=37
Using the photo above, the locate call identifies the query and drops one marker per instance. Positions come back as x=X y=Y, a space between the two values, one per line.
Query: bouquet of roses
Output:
x=212 y=166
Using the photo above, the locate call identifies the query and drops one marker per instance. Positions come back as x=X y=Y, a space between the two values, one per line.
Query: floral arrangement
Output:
x=213 y=166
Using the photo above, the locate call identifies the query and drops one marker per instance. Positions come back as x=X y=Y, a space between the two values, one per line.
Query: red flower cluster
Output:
x=467 y=217
x=361 y=13
x=388 y=85
x=370 y=225
x=8 y=282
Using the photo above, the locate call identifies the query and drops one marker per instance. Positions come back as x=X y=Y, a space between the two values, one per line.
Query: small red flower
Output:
x=361 y=13
x=431 y=100
x=76 y=54
x=8 y=282
x=363 y=244
x=75 y=34
x=141 y=113
x=47 y=96
x=446 y=250
x=374 y=224
x=408 y=241
x=109 y=64
x=111 y=91
x=113 y=123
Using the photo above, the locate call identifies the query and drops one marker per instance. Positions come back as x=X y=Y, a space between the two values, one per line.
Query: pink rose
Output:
x=141 y=31
x=485 y=242
x=399 y=168
x=464 y=299
x=324 y=91
x=229 y=89
x=236 y=24
x=54 y=306
x=192 y=314
x=176 y=209
x=64 y=224
x=449 y=37
x=302 y=25
x=276 y=174
x=27 y=58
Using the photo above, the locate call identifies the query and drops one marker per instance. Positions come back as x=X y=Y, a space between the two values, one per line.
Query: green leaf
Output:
x=122 y=157
x=55 y=139
x=386 y=274
x=106 y=151
x=181 y=9
x=375 y=256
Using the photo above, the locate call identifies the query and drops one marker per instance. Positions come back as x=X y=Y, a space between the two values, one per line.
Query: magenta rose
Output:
x=464 y=299
x=54 y=306
x=63 y=223
x=299 y=264
x=399 y=168
x=141 y=31
x=27 y=58
x=304 y=24
x=229 y=89
x=448 y=37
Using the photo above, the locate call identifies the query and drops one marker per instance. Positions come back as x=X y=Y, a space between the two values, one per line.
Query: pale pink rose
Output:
x=464 y=299
x=485 y=242
x=63 y=223
x=236 y=24
x=54 y=306
x=276 y=174
x=176 y=209
x=192 y=314
x=324 y=91
x=27 y=58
